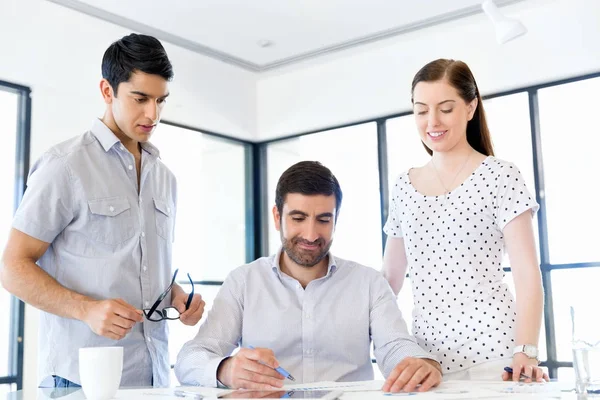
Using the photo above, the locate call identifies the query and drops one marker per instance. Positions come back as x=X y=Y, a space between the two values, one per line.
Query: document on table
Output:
x=360 y=386
x=449 y=389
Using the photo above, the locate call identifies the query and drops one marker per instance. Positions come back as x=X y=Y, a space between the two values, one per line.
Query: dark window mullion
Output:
x=540 y=194
x=261 y=206
x=252 y=211
x=595 y=264
x=17 y=308
x=382 y=152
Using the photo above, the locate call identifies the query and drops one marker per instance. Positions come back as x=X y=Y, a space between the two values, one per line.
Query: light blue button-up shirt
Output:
x=107 y=240
x=320 y=333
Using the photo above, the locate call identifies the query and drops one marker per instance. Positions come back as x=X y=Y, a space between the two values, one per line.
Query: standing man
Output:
x=91 y=241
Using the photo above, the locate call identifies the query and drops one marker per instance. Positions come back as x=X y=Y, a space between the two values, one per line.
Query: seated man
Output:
x=316 y=312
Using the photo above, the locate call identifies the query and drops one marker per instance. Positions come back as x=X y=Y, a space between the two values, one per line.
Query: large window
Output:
x=14 y=157
x=569 y=159
x=210 y=229
x=570 y=149
x=351 y=154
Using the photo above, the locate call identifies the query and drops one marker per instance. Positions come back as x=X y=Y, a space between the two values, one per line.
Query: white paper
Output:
x=494 y=389
x=448 y=390
x=361 y=386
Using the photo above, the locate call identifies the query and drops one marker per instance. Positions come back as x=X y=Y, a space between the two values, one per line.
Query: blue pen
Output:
x=510 y=371
x=280 y=370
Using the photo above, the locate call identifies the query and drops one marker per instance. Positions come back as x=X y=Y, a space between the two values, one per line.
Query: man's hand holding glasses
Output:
x=112 y=318
x=188 y=308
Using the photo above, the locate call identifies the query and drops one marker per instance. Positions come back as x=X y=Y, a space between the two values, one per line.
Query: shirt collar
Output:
x=331 y=268
x=108 y=139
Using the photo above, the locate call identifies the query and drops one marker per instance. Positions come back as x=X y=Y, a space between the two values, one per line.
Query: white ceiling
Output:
x=230 y=29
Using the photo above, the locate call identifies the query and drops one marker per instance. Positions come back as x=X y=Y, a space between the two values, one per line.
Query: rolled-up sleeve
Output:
x=47 y=206
x=391 y=340
x=218 y=336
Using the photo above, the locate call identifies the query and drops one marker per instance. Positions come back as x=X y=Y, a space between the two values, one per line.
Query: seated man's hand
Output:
x=412 y=372
x=250 y=369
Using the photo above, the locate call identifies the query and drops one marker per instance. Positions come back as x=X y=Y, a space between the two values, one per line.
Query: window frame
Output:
x=22 y=151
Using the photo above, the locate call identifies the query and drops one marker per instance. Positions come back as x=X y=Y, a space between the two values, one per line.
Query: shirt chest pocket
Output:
x=110 y=220
x=165 y=220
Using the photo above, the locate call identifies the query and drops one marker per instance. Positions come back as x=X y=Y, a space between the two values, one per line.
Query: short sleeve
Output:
x=47 y=206
x=392 y=226
x=512 y=198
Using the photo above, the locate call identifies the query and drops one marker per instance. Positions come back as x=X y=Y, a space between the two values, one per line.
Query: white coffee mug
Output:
x=100 y=371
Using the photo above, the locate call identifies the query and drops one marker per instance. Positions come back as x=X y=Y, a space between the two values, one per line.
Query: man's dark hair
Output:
x=135 y=53
x=308 y=178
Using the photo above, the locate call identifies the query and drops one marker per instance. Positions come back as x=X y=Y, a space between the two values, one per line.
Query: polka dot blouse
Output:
x=463 y=313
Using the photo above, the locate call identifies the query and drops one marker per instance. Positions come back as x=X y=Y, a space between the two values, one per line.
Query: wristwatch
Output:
x=529 y=350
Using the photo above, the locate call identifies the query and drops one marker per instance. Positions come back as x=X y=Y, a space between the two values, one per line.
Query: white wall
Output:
x=563 y=41
x=57 y=53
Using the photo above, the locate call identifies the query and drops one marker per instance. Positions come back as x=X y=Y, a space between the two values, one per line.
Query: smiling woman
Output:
x=450 y=222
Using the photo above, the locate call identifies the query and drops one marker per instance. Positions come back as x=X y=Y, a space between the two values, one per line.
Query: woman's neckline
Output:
x=481 y=164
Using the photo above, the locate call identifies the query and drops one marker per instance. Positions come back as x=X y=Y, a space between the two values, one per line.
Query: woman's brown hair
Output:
x=460 y=77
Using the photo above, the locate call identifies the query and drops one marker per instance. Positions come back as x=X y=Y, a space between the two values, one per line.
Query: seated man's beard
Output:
x=305 y=258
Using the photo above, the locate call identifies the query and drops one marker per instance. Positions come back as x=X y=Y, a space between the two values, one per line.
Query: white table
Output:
x=447 y=391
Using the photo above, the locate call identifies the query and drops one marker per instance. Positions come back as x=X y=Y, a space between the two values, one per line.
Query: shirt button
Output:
x=168 y=209
x=111 y=208
x=147 y=303
x=144 y=268
x=149 y=339
x=122 y=147
x=308 y=351
x=143 y=234
x=307 y=316
x=130 y=167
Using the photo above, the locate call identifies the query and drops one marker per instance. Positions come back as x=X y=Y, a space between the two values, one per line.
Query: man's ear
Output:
x=276 y=218
x=107 y=91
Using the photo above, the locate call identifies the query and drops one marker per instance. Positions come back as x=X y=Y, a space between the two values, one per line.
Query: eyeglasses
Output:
x=168 y=312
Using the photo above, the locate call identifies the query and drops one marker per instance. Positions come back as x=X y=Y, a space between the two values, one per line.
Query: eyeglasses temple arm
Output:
x=191 y=296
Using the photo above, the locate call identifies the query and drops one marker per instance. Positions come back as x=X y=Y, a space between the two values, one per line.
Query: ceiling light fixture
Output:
x=507 y=29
